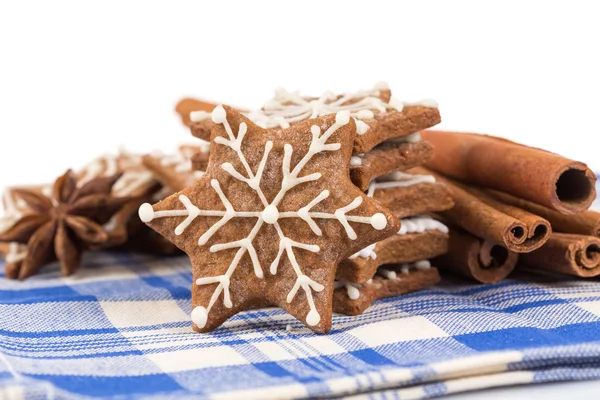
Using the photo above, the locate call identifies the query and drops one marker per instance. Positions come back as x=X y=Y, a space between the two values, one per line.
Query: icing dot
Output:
x=361 y=127
x=378 y=221
x=355 y=161
x=270 y=214
x=200 y=316
x=146 y=212
x=342 y=117
x=219 y=115
x=313 y=318
x=353 y=292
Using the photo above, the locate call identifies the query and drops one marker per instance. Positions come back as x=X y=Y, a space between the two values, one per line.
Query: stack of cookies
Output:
x=386 y=145
x=311 y=204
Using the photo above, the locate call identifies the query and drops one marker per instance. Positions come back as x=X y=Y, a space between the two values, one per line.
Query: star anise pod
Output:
x=65 y=224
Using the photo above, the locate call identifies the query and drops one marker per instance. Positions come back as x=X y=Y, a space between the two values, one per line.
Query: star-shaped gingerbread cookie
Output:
x=377 y=115
x=271 y=219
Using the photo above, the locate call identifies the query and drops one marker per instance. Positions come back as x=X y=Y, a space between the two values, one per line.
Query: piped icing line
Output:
x=269 y=214
x=398 y=179
x=134 y=176
x=389 y=274
x=420 y=223
x=289 y=107
x=353 y=289
x=181 y=162
x=412 y=138
x=367 y=252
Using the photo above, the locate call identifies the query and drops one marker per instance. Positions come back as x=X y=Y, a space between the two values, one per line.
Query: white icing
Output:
x=399 y=104
x=420 y=223
x=422 y=265
x=289 y=107
x=416 y=224
x=389 y=274
x=405 y=268
x=398 y=179
x=181 y=162
x=367 y=252
x=199 y=116
x=412 y=138
x=352 y=289
x=134 y=176
x=356 y=160
x=269 y=214
x=288 y=328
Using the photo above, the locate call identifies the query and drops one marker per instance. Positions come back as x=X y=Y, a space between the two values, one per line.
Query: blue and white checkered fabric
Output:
x=121 y=328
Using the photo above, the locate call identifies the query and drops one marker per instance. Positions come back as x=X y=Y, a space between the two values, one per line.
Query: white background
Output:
x=80 y=79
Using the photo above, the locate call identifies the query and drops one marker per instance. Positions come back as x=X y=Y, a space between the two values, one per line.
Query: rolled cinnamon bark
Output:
x=186 y=106
x=488 y=218
x=545 y=178
x=477 y=258
x=565 y=253
x=586 y=223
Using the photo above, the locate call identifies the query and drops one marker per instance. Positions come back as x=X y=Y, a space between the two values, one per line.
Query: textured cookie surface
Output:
x=271 y=219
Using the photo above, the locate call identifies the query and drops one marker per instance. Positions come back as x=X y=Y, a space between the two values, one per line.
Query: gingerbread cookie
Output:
x=393 y=280
x=378 y=117
x=135 y=179
x=186 y=106
x=388 y=157
x=135 y=182
x=175 y=171
x=409 y=194
x=271 y=219
x=419 y=238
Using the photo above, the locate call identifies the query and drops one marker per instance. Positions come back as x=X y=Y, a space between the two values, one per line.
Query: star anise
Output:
x=65 y=224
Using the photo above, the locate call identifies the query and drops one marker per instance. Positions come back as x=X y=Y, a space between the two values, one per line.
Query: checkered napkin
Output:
x=120 y=328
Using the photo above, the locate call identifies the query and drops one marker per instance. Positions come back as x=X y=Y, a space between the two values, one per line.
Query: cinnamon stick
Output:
x=490 y=219
x=542 y=177
x=586 y=223
x=477 y=258
x=566 y=253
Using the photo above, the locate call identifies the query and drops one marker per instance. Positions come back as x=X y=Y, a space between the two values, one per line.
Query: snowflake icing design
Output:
x=269 y=214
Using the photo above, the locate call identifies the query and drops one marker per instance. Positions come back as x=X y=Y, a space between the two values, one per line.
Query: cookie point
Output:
x=342 y=117
x=313 y=318
x=199 y=316
x=146 y=212
x=219 y=115
x=378 y=221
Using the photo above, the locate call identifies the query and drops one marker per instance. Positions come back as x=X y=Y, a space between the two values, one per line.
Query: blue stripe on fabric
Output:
x=39 y=294
x=371 y=357
x=522 y=338
x=66 y=297
x=112 y=386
